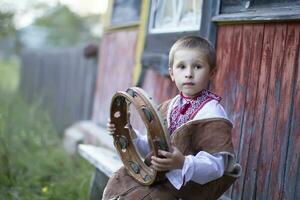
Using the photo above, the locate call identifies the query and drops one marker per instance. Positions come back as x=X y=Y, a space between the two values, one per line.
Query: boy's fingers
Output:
x=161 y=160
x=165 y=153
x=159 y=169
x=159 y=166
x=111 y=132
x=156 y=168
x=110 y=125
x=128 y=114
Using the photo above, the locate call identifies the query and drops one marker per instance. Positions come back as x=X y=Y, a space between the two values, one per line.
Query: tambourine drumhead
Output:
x=157 y=134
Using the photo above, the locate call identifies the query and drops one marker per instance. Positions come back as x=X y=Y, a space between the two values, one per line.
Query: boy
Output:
x=201 y=165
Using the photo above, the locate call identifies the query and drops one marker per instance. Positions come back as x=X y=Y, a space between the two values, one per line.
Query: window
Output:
x=175 y=15
x=239 y=6
x=125 y=12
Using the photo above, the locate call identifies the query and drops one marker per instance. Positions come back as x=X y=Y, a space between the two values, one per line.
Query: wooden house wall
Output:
x=259 y=80
x=159 y=87
x=115 y=70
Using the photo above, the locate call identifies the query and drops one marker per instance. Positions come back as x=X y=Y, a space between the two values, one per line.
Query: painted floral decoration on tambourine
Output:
x=158 y=137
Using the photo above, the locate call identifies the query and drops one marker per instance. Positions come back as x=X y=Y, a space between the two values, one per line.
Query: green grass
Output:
x=33 y=164
x=9 y=75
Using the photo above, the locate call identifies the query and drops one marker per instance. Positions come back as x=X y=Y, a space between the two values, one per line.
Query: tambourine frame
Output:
x=156 y=132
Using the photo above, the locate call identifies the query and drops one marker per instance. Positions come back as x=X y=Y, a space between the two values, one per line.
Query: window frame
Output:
x=248 y=11
x=153 y=30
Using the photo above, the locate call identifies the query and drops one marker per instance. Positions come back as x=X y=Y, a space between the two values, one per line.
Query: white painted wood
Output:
x=102 y=158
x=72 y=137
x=87 y=132
x=96 y=135
x=260 y=15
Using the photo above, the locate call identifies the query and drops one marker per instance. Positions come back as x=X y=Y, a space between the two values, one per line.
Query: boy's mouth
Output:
x=188 y=83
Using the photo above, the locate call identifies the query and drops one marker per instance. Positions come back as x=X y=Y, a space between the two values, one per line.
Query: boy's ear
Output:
x=213 y=73
x=171 y=73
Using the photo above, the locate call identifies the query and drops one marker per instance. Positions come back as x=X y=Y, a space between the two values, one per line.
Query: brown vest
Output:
x=210 y=135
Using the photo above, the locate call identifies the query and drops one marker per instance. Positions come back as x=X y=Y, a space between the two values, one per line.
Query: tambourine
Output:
x=157 y=133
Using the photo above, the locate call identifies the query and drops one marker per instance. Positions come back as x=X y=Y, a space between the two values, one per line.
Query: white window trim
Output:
x=172 y=29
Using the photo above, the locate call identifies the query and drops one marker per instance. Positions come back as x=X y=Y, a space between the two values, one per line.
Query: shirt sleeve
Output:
x=201 y=169
x=141 y=142
x=211 y=109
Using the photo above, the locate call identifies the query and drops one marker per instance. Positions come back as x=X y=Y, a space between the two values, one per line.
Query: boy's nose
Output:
x=189 y=73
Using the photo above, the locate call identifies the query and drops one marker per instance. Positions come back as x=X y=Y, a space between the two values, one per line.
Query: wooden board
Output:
x=103 y=159
x=258 y=78
x=115 y=70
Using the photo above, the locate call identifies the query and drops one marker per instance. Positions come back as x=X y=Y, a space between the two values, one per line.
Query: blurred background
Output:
x=61 y=61
x=43 y=34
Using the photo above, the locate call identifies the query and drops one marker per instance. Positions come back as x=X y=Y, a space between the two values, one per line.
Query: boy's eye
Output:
x=198 y=67
x=181 y=66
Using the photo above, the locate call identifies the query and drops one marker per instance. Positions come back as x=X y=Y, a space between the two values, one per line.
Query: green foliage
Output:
x=33 y=164
x=64 y=27
x=6 y=23
x=9 y=75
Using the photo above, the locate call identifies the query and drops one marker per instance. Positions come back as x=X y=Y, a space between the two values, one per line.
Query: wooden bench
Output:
x=103 y=157
x=106 y=163
x=95 y=145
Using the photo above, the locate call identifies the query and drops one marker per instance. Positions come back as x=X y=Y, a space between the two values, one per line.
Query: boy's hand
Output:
x=174 y=160
x=110 y=127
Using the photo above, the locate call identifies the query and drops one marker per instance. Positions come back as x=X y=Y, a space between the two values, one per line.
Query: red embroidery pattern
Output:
x=182 y=113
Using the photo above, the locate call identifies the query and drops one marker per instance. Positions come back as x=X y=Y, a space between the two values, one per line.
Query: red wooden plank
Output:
x=117 y=61
x=242 y=75
x=235 y=81
x=229 y=56
x=263 y=77
x=229 y=42
x=155 y=84
x=248 y=153
x=270 y=119
x=220 y=61
x=159 y=87
x=225 y=34
x=266 y=146
x=147 y=82
x=292 y=174
x=166 y=90
x=283 y=125
x=262 y=98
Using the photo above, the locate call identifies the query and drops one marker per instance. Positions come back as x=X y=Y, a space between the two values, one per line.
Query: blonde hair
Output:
x=194 y=42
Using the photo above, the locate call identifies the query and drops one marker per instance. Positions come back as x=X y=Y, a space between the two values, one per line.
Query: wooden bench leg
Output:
x=99 y=181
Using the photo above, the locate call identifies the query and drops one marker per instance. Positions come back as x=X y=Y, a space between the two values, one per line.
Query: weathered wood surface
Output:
x=271 y=13
x=258 y=79
x=103 y=159
x=291 y=182
x=115 y=70
x=159 y=87
x=62 y=80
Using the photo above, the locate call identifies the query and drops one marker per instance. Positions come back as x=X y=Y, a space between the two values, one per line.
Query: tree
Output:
x=6 y=24
x=64 y=27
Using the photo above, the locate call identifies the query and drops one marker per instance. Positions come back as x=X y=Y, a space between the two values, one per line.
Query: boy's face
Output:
x=190 y=71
